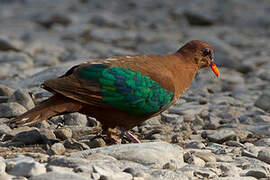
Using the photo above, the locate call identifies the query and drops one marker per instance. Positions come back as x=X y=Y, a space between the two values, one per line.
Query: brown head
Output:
x=200 y=53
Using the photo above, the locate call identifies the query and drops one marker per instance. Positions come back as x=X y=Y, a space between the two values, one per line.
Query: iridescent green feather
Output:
x=128 y=90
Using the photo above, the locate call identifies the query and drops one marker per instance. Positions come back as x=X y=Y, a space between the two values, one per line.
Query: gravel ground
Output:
x=219 y=129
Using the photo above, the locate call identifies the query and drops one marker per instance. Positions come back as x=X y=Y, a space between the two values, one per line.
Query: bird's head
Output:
x=200 y=53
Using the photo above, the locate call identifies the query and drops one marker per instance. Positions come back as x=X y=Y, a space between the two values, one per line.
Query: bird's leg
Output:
x=130 y=136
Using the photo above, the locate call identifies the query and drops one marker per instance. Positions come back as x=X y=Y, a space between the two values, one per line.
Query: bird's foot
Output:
x=131 y=137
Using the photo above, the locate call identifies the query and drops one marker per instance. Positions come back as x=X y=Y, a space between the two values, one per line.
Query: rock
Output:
x=73 y=144
x=263 y=142
x=78 y=131
x=58 y=176
x=75 y=119
x=263 y=101
x=11 y=109
x=264 y=155
x=6 y=45
x=262 y=119
x=221 y=136
x=4 y=99
x=48 y=135
x=29 y=137
x=205 y=155
x=154 y=154
x=4 y=129
x=63 y=133
x=194 y=160
x=257 y=173
x=5 y=91
x=188 y=109
x=2 y=165
x=172 y=118
x=167 y=174
x=45 y=60
x=259 y=129
x=57 y=148
x=197 y=18
x=5 y=176
x=198 y=172
x=22 y=97
x=97 y=142
x=28 y=169
x=240 y=178
x=195 y=145
x=18 y=61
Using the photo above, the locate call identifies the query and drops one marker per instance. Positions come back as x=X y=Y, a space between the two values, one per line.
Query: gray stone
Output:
x=240 y=178
x=22 y=97
x=262 y=119
x=198 y=172
x=45 y=60
x=264 y=155
x=58 y=176
x=263 y=101
x=263 y=142
x=11 y=109
x=28 y=169
x=172 y=118
x=257 y=173
x=154 y=154
x=221 y=135
x=63 y=133
x=4 y=129
x=4 y=99
x=5 y=91
x=194 y=160
x=75 y=119
x=57 y=148
x=195 y=145
x=188 y=109
x=18 y=61
x=73 y=144
x=29 y=137
x=167 y=174
x=5 y=176
x=2 y=165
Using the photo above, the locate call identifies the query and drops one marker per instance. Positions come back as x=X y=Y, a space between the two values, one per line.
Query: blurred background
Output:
x=40 y=39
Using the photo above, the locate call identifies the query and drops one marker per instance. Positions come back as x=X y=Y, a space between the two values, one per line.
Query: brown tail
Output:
x=55 y=105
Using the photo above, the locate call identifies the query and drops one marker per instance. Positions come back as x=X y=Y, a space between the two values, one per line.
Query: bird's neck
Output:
x=183 y=71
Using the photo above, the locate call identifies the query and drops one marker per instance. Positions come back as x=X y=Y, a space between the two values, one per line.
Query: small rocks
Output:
x=22 y=97
x=5 y=91
x=263 y=101
x=58 y=176
x=221 y=136
x=57 y=148
x=257 y=173
x=28 y=169
x=29 y=137
x=63 y=133
x=75 y=119
x=11 y=109
x=264 y=155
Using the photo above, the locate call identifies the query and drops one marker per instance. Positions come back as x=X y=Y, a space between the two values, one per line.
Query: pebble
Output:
x=22 y=97
x=75 y=119
x=29 y=137
x=58 y=176
x=221 y=136
x=257 y=173
x=2 y=165
x=63 y=133
x=264 y=155
x=57 y=148
x=263 y=101
x=153 y=154
x=5 y=91
x=28 y=169
x=11 y=109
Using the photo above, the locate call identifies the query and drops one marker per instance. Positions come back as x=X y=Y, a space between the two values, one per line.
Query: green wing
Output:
x=128 y=90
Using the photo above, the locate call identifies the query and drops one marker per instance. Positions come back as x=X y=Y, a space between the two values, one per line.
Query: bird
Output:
x=123 y=91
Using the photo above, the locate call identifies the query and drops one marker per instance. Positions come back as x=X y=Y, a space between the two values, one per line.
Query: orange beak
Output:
x=214 y=69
